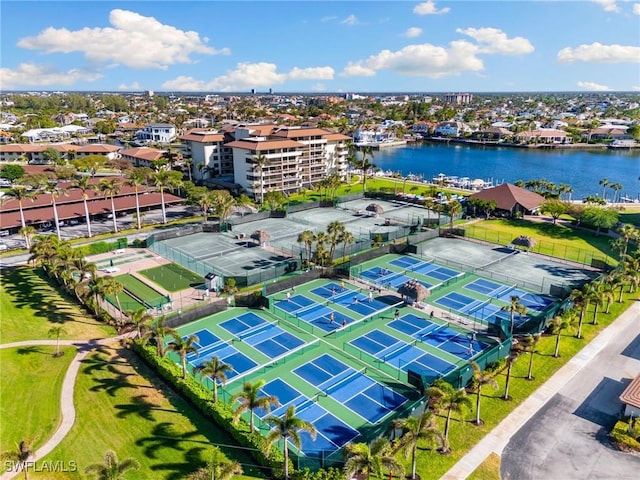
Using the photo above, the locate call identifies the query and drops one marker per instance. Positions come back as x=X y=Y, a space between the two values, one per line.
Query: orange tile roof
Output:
x=300 y=132
x=144 y=153
x=264 y=145
x=508 y=195
x=337 y=136
x=203 y=137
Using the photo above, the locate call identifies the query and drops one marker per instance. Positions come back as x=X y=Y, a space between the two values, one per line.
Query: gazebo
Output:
x=524 y=241
x=261 y=236
x=374 y=207
x=413 y=290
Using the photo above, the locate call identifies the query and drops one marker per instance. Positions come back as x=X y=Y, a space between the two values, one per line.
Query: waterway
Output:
x=582 y=169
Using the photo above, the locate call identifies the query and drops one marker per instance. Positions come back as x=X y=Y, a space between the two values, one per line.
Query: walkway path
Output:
x=499 y=437
x=67 y=407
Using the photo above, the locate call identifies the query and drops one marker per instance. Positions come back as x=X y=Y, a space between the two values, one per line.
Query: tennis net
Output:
x=343 y=380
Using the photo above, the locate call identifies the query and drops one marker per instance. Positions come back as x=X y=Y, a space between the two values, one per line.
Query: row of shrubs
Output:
x=220 y=412
x=101 y=247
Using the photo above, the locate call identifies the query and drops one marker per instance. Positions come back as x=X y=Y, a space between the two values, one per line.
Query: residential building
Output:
x=458 y=98
x=26 y=153
x=511 y=200
x=158 y=133
x=210 y=156
x=142 y=156
x=451 y=129
x=543 y=135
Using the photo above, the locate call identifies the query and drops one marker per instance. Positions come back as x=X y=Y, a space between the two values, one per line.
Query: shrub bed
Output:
x=623 y=438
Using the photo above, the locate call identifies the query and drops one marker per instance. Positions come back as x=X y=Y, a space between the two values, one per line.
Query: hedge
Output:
x=220 y=413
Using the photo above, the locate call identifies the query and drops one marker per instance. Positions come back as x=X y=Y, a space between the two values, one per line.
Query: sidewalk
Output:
x=498 y=438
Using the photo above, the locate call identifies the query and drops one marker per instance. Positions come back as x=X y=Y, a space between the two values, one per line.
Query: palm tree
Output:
x=628 y=232
x=55 y=191
x=580 y=300
x=511 y=359
x=164 y=179
x=141 y=319
x=260 y=161
x=110 y=188
x=183 y=347
x=364 y=165
x=111 y=286
x=21 y=193
x=218 y=468
x=307 y=238
x=371 y=459
x=21 y=455
x=217 y=370
x=334 y=230
x=528 y=345
x=137 y=179
x=287 y=428
x=604 y=182
x=57 y=332
x=598 y=295
x=28 y=232
x=453 y=208
x=445 y=397
x=514 y=307
x=111 y=468
x=205 y=201
x=250 y=399
x=158 y=332
x=557 y=325
x=414 y=430
x=346 y=238
x=480 y=379
x=82 y=184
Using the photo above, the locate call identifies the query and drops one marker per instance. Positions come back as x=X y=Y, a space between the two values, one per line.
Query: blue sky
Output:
x=314 y=46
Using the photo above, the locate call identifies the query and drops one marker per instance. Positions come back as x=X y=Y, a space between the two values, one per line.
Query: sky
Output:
x=320 y=46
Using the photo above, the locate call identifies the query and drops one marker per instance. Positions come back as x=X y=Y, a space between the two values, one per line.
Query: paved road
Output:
x=567 y=437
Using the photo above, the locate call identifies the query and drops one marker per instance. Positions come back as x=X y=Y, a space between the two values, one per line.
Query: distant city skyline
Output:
x=313 y=46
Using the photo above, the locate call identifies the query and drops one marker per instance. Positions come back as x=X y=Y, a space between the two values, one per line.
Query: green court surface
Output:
x=141 y=291
x=311 y=318
x=172 y=277
x=127 y=302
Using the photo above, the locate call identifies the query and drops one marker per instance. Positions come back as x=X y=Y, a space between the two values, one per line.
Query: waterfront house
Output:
x=511 y=200
x=158 y=133
x=544 y=136
x=451 y=129
x=492 y=134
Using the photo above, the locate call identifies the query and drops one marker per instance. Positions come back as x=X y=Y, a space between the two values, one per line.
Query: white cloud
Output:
x=636 y=88
x=133 y=40
x=31 y=74
x=424 y=60
x=598 y=53
x=594 y=87
x=247 y=76
x=636 y=8
x=429 y=8
x=493 y=40
x=313 y=73
x=351 y=20
x=329 y=18
x=413 y=32
x=133 y=86
x=608 y=5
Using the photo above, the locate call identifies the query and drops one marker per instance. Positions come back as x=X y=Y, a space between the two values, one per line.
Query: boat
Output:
x=623 y=143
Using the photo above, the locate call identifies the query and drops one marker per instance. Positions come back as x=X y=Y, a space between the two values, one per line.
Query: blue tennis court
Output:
x=332 y=433
x=443 y=274
x=454 y=342
x=272 y=340
x=409 y=357
x=456 y=300
x=413 y=325
x=243 y=324
x=363 y=395
x=483 y=286
x=405 y=262
x=377 y=343
x=228 y=354
x=330 y=290
x=295 y=303
x=205 y=338
x=394 y=279
x=536 y=302
x=323 y=317
x=360 y=303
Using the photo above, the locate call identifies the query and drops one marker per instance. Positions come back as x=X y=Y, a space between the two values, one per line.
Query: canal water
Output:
x=582 y=169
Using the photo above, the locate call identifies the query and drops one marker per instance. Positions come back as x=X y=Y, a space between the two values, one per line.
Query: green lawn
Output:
x=554 y=240
x=31 y=380
x=30 y=306
x=141 y=290
x=631 y=215
x=488 y=470
x=172 y=277
x=121 y=405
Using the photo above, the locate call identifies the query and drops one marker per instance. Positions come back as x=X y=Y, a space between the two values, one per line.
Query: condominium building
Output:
x=210 y=156
x=458 y=98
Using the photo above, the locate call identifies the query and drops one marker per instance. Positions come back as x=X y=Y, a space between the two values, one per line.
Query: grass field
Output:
x=31 y=382
x=30 y=306
x=488 y=470
x=141 y=290
x=172 y=277
x=121 y=405
x=554 y=240
x=631 y=215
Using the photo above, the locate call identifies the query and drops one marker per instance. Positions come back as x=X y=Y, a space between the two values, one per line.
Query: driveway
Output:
x=567 y=437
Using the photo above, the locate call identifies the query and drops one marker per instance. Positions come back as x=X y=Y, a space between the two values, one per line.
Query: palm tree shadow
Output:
x=100 y=362
x=33 y=349
x=112 y=385
x=165 y=436
x=139 y=406
x=193 y=460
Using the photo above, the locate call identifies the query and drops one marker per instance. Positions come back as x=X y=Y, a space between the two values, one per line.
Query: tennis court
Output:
x=141 y=291
x=331 y=432
x=316 y=314
x=209 y=346
x=172 y=277
x=382 y=276
x=462 y=345
x=505 y=292
x=353 y=389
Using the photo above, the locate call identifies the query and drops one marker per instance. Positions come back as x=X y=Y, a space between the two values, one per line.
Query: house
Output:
x=492 y=134
x=606 y=133
x=543 y=135
x=451 y=129
x=630 y=398
x=511 y=200
x=142 y=156
x=34 y=154
x=157 y=133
